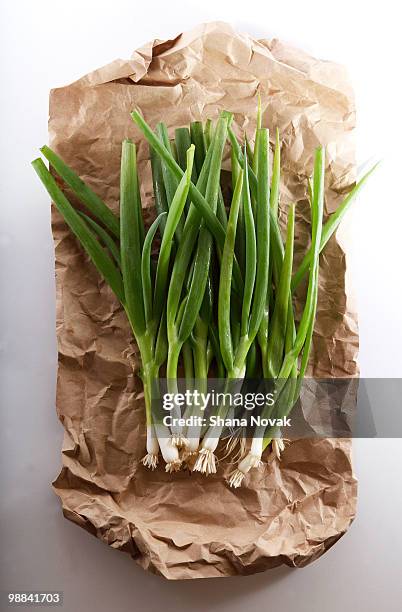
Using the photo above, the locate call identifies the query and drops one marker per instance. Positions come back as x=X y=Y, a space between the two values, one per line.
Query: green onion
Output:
x=206 y=461
x=219 y=299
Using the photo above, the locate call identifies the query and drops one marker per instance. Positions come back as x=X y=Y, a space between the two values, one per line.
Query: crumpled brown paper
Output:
x=181 y=525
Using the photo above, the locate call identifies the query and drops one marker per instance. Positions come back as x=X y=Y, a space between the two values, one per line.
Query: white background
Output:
x=48 y=44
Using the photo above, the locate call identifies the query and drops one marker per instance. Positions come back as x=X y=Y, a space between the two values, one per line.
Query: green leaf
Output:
x=251 y=253
x=140 y=220
x=252 y=364
x=240 y=248
x=263 y=235
x=312 y=289
x=279 y=323
x=170 y=180
x=257 y=136
x=183 y=143
x=217 y=230
x=161 y=346
x=331 y=226
x=174 y=216
x=146 y=267
x=104 y=237
x=277 y=249
x=221 y=210
x=208 y=132
x=225 y=284
x=80 y=228
x=205 y=242
x=130 y=239
x=197 y=138
x=92 y=201
x=161 y=204
x=276 y=176
x=250 y=152
x=185 y=251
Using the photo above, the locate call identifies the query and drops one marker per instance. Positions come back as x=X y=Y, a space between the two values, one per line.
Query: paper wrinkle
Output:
x=181 y=525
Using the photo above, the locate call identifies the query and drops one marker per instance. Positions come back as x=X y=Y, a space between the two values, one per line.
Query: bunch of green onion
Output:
x=218 y=297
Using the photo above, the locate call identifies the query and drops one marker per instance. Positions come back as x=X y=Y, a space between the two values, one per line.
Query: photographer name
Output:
x=218 y=421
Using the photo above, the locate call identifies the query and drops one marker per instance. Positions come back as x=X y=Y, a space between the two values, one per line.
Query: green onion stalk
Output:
x=202 y=354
